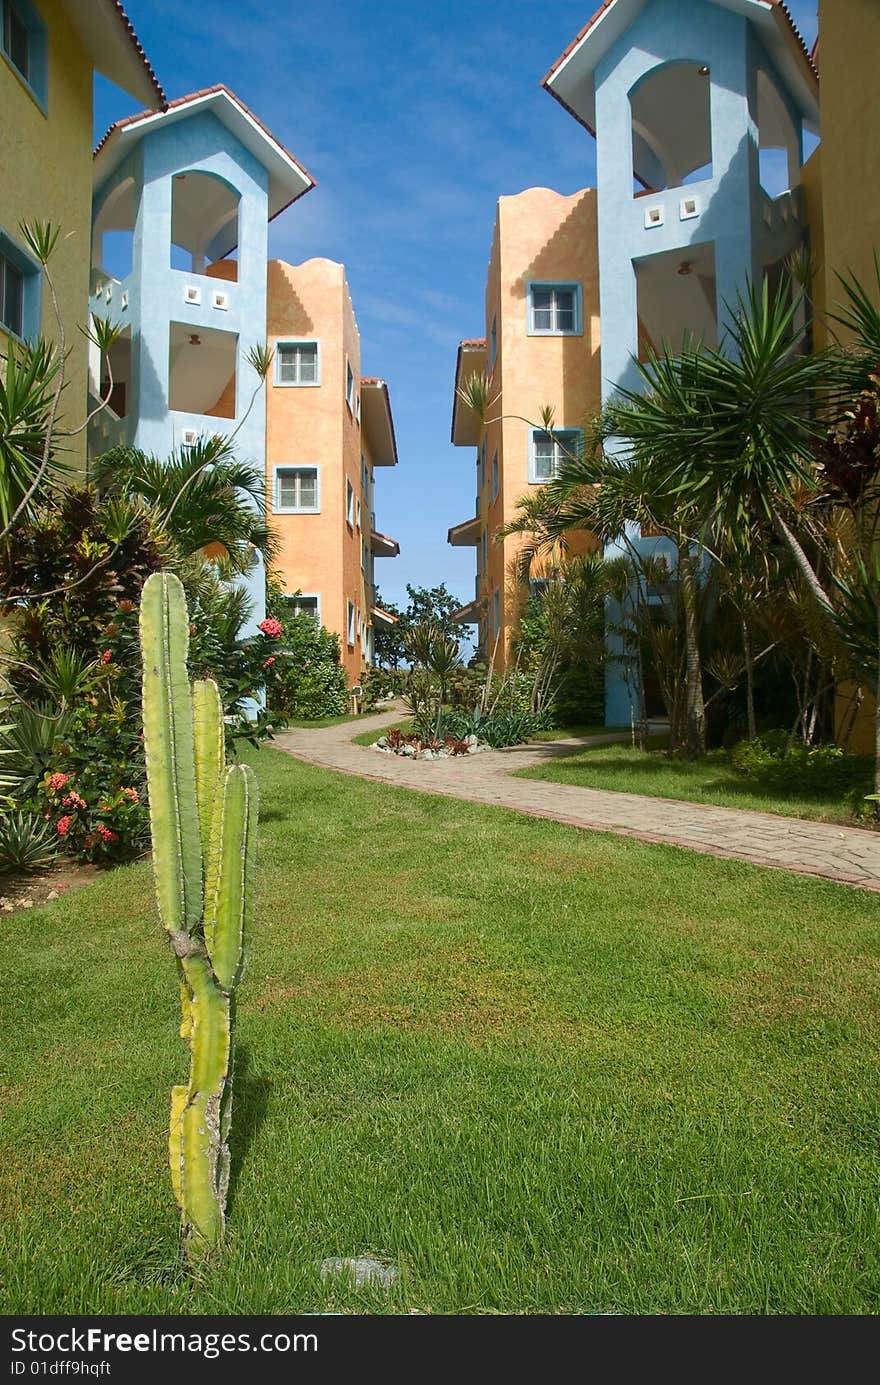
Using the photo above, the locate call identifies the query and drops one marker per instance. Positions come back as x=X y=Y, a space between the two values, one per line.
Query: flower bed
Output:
x=414 y=747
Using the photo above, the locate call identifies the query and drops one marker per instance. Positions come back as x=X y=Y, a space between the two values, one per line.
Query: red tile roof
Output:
x=198 y=96
x=474 y=342
x=136 y=44
x=606 y=5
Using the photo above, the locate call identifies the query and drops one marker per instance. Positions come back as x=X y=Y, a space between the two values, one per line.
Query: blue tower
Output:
x=181 y=207
x=699 y=109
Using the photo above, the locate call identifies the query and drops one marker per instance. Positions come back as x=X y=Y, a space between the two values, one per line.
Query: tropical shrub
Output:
x=300 y=663
x=90 y=821
x=773 y=759
x=27 y=841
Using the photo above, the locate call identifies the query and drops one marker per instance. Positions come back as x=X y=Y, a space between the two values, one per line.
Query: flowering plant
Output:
x=92 y=823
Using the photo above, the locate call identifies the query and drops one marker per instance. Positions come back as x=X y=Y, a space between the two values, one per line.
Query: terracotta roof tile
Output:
x=129 y=27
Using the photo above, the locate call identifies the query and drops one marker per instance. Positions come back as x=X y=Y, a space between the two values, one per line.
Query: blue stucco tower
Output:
x=699 y=109
x=182 y=202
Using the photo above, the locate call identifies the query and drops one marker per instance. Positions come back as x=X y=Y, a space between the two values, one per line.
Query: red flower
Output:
x=131 y=795
x=106 y=656
x=73 y=800
x=64 y=826
x=271 y=627
x=56 y=782
x=106 y=835
x=269 y=662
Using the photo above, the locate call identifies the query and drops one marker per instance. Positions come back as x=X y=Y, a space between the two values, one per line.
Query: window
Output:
x=349 y=385
x=495 y=475
x=493 y=341
x=550 y=451
x=202 y=370
x=24 y=45
x=297 y=490
x=296 y=363
x=21 y=289
x=301 y=605
x=359 y=514
x=554 y=310
x=351 y=626
x=349 y=502
x=11 y=297
x=357 y=411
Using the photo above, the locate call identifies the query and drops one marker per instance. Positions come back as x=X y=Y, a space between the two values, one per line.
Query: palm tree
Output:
x=202 y=498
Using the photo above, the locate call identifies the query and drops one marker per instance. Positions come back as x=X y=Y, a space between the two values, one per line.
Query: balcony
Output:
x=466 y=535
x=381 y=546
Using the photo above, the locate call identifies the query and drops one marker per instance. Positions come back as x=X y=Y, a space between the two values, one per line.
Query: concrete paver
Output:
x=850 y=855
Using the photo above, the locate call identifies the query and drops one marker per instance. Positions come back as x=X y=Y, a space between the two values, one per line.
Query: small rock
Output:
x=53 y=894
x=7 y=908
x=361 y=1269
x=27 y=904
x=381 y=742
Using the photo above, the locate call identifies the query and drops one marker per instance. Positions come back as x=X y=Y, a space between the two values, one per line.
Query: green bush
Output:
x=821 y=769
x=304 y=677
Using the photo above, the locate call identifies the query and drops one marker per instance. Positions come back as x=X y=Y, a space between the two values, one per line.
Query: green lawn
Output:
x=369 y=737
x=713 y=780
x=541 y=1070
x=326 y=721
x=558 y=733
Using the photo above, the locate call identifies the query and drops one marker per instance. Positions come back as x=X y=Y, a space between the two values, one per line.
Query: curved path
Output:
x=850 y=855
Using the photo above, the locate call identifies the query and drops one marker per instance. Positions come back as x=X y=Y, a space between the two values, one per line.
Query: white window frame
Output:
x=554 y=284
x=279 y=509
x=297 y=384
x=349 y=503
x=351 y=627
x=306 y=596
x=568 y=438
x=349 y=386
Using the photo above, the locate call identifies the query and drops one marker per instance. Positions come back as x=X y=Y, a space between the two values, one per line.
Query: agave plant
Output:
x=27 y=843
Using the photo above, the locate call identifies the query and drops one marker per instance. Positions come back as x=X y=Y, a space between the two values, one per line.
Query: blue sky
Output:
x=413 y=119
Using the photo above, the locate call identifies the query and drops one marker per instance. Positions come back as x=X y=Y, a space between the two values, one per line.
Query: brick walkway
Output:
x=847 y=854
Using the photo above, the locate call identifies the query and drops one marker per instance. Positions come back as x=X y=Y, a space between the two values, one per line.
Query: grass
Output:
x=712 y=780
x=318 y=722
x=540 y=1070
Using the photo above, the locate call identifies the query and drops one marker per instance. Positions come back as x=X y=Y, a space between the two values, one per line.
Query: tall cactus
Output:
x=203 y=819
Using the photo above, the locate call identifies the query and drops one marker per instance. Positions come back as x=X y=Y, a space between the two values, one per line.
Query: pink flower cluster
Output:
x=271 y=627
x=131 y=795
x=73 y=800
x=106 y=835
x=106 y=656
x=56 y=781
x=64 y=826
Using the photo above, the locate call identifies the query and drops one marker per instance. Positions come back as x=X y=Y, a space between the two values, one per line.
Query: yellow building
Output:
x=541 y=348
x=327 y=428
x=842 y=185
x=50 y=51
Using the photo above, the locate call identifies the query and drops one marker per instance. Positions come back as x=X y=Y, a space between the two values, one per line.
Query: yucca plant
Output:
x=27 y=842
x=203 y=821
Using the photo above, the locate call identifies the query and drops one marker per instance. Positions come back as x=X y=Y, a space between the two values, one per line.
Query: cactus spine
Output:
x=203 y=819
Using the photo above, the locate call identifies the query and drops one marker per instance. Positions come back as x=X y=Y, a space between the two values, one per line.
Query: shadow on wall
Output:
x=288 y=315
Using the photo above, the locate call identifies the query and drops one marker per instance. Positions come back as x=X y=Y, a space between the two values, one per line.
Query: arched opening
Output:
x=113 y=231
x=779 y=140
x=671 y=127
x=677 y=299
x=204 y=223
x=201 y=371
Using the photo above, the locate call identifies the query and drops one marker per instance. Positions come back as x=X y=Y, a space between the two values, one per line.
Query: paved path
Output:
x=847 y=854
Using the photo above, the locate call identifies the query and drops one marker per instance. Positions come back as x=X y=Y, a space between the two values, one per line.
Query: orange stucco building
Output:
x=327 y=429
x=541 y=348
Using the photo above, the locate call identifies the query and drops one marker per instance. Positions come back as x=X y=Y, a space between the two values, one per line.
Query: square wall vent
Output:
x=192 y=294
x=220 y=299
x=653 y=217
x=689 y=207
x=190 y=437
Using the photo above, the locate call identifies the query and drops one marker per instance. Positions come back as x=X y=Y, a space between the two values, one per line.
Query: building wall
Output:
x=849 y=44
x=46 y=173
x=320 y=554
x=541 y=236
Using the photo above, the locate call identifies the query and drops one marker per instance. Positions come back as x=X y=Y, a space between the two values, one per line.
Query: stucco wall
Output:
x=46 y=173
x=313 y=426
x=540 y=235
